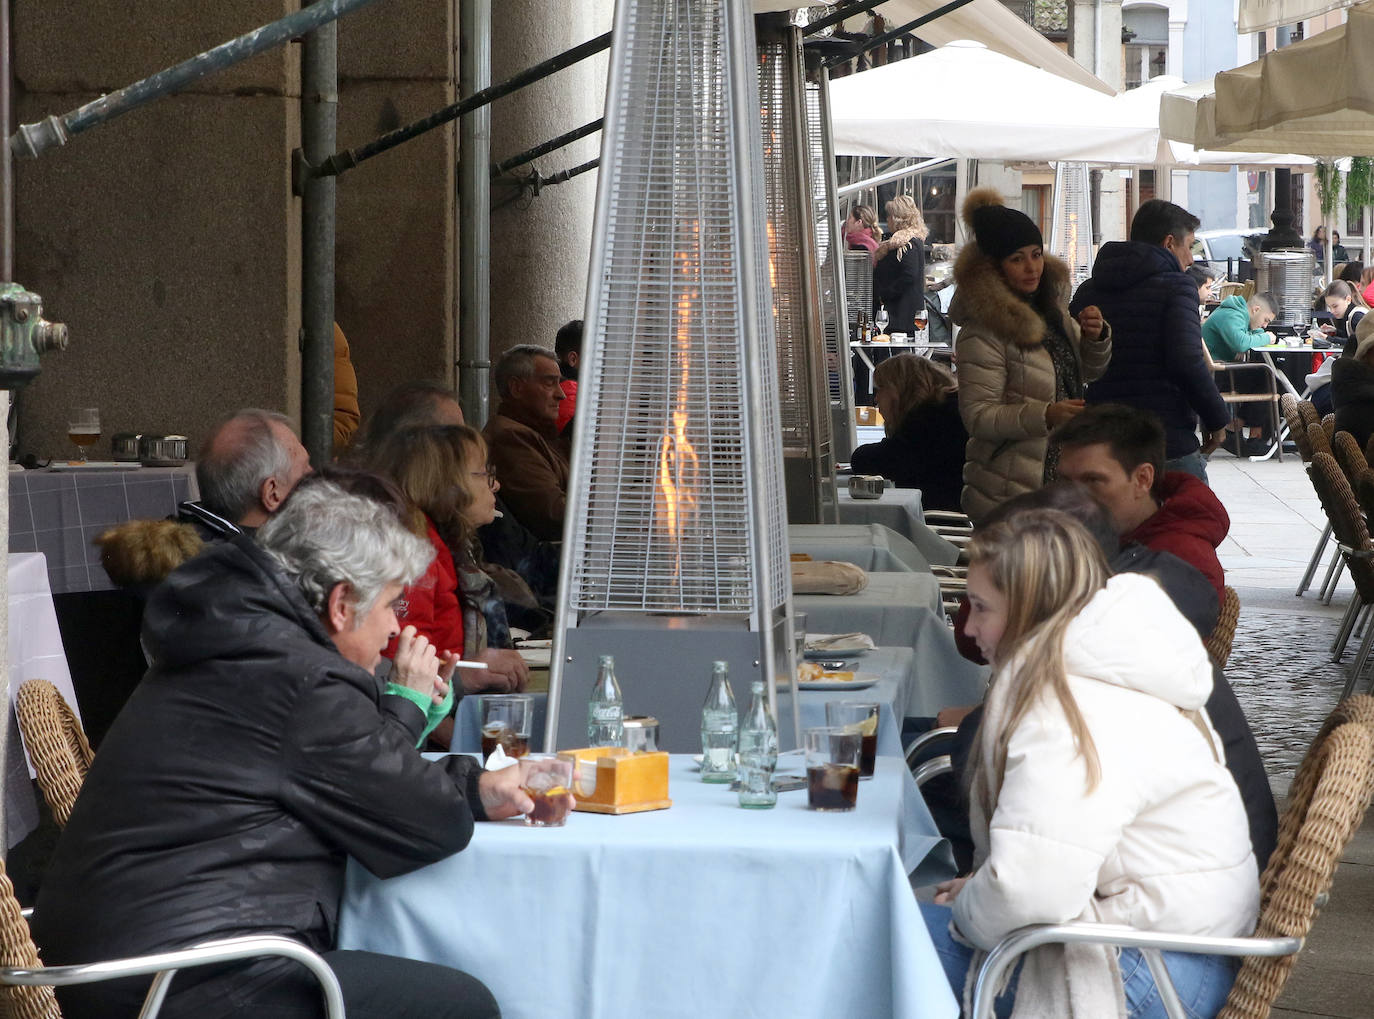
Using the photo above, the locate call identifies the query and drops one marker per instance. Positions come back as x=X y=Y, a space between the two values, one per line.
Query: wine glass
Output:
x=83 y=428
x=880 y=319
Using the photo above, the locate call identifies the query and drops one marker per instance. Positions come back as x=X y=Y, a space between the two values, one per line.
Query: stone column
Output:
x=540 y=245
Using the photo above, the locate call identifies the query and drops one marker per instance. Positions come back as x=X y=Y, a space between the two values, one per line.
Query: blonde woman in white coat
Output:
x=1098 y=787
x=1023 y=360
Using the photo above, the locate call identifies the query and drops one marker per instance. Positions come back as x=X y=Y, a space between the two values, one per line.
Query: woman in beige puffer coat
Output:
x=1022 y=360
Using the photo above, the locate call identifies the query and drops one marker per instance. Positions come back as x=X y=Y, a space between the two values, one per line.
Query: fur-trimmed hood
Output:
x=983 y=298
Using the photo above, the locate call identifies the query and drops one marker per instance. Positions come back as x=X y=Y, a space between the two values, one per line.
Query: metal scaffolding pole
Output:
x=474 y=212
x=319 y=130
x=31 y=139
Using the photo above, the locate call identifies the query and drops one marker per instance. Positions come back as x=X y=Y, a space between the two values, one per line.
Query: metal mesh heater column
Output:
x=829 y=254
x=1071 y=233
x=675 y=538
x=808 y=452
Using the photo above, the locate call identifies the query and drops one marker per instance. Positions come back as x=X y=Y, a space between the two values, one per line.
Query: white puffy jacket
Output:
x=1162 y=843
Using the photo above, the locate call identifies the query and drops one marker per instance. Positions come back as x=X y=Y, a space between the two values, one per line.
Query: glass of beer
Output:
x=506 y=722
x=832 y=768
x=83 y=428
x=860 y=717
x=548 y=782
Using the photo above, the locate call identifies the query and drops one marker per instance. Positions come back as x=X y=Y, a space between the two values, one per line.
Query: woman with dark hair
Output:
x=925 y=440
x=1097 y=784
x=1023 y=360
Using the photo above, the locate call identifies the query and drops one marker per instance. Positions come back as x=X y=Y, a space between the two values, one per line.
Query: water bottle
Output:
x=606 y=710
x=719 y=728
x=758 y=754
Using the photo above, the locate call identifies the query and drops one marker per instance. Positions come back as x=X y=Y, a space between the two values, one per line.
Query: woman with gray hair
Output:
x=256 y=756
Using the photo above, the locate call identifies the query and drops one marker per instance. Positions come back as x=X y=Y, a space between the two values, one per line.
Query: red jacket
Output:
x=568 y=406
x=432 y=604
x=1191 y=522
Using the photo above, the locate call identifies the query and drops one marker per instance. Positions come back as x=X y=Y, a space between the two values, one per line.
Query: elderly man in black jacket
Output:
x=1157 y=360
x=256 y=756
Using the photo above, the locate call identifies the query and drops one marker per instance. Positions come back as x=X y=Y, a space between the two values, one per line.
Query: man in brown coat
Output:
x=526 y=454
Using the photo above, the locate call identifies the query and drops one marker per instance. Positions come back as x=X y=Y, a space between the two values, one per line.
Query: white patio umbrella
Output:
x=966 y=101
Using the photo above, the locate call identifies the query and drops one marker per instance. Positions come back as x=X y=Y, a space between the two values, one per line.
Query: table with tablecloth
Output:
x=59 y=513
x=701 y=909
x=872 y=547
x=899 y=509
x=35 y=647
x=891 y=609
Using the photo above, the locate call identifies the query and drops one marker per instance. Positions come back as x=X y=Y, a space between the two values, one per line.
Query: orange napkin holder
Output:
x=626 y=782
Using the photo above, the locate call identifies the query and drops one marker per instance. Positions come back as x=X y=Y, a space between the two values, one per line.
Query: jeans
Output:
x=1193 y=463
x=1202 y=981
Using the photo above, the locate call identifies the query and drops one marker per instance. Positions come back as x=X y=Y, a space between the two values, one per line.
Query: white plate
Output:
x=525 y=642
x=861 y=681
x=842 y=653
x=94 y=465
x=536 y=657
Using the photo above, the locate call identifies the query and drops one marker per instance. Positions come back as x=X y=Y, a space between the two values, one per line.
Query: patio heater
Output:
x=830 y=257
x=1071 y=231
x=795 y=271
x=675 y=541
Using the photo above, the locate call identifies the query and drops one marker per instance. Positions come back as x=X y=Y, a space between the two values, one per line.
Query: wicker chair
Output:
x=1349 y=455
x=1319 y=439
x=1297 y=428
x=1307 y=410
x=26 y=986
x=57 y=745
x=1218 y=643
x=1329 y=425
x=1340 y=769
x=1297 y=431
x=1357 y=552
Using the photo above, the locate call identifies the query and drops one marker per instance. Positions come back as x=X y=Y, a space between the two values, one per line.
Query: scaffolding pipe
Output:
x=474 y=212
x=348 y=159
x=544 y=148
x=846 y=10
x=33 y=139
x=882 y=40
x=896 y=173
x=319 y=127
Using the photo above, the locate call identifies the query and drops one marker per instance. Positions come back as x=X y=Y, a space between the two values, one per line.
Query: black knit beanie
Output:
x=1001 y=231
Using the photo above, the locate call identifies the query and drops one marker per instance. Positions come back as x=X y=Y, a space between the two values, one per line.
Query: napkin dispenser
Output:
x=866 y=486
x=613 y=780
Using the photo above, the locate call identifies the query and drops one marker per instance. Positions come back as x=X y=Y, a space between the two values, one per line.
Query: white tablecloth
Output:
x=872 y=547
x=891 y=609
x=35 y=653
x=899 y=509
x=700 y=910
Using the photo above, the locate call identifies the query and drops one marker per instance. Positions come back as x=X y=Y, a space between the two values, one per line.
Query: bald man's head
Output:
x=248 y=466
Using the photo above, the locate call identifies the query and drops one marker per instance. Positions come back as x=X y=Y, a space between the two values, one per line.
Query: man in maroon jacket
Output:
x=1118 y=453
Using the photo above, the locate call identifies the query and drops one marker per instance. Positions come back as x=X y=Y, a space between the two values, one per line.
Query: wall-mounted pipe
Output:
x=474 y=212
x=32 y=139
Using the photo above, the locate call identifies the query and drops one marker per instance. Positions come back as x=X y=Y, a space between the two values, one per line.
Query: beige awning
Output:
x=992 y=24
x=1257 y=15
x=1315 y=96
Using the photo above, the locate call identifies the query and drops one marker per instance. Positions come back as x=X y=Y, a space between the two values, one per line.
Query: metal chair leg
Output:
x=1358 y=667
x=1344 y=630
x=1315 y=560
x=1333 y=579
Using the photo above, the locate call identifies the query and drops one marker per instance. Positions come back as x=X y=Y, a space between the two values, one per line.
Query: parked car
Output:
x=1215 y=247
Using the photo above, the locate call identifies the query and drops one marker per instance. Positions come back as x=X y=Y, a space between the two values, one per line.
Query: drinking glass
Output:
x=832 y=768
x=548 y=782
x=506 y=723
x=799 y=636
x=880 y=318
x=860 y=717
x=83 y=428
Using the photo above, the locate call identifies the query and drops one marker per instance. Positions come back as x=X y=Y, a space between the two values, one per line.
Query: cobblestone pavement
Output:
x=1285 y=682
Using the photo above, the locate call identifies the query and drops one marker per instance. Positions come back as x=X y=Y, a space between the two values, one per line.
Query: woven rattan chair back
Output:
x=1318 y=440
x=1218 y=642
x=1364 y=492
x=1295 y=879
x=1349 y=455
x=17 y=950
x=57 y=745
x=1347 y=522
x=1297 y=428
x=1329 y=425
x=1307 y=410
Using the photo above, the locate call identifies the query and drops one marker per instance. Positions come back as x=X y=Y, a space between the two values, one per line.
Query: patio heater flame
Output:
x=677 y=457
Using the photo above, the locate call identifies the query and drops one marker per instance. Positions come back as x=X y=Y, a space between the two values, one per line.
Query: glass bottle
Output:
x=606 y=710
x=758 y=753
x=719 y=728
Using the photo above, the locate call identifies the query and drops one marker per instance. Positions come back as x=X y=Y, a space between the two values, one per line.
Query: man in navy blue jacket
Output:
x=1157 y=357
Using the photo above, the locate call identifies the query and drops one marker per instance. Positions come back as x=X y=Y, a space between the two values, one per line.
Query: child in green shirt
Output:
x=1237 y=326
